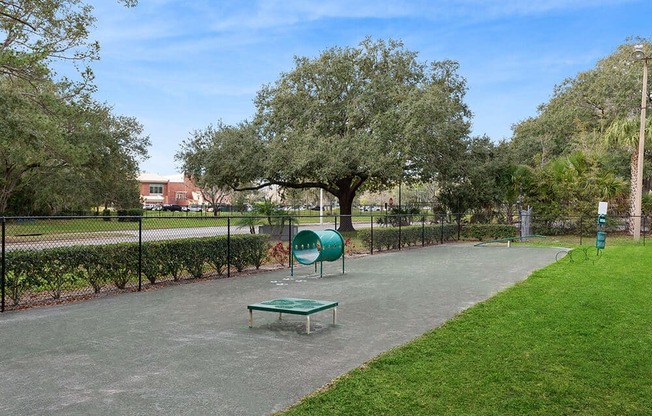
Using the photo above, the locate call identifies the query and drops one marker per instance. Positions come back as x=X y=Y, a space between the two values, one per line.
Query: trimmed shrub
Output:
x=257 y=250
x=132 y=212
x=239 y=258
x=216 y=255
x=489 y=231
x=58 y=269
x=55 y=269
x=152 y=261
x=120 y=262
x=388 y=238
x=18 y=274
x=194 y=256
x=91 y=269
x=172 y=258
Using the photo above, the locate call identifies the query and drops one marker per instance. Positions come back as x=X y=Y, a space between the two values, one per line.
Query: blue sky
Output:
x=178 y=66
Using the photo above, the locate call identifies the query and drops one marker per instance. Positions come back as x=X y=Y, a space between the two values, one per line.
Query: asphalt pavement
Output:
x=188 y=350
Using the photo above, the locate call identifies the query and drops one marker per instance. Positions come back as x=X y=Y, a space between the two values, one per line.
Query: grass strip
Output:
x=150 y=222
x=574 y=338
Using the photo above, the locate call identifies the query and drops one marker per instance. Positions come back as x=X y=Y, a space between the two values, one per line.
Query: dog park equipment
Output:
x=601 y=237
x=309 y=247
x=293 y=306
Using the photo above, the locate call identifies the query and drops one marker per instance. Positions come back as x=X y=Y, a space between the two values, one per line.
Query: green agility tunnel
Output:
x=309 y=247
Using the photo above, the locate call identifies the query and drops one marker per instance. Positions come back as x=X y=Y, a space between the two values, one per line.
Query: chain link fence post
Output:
x=2 y=283
x=441 y=229
x=371 y=233
x=140 y=253
x=423 y=231
x=290 y=241
x=400 y=225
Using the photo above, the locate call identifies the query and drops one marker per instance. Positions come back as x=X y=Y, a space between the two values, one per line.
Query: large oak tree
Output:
x=36 y=33
x=48 y=150
x=58 y=148
x=352 y=119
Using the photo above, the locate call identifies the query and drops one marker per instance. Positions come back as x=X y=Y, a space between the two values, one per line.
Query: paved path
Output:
x=187 y=350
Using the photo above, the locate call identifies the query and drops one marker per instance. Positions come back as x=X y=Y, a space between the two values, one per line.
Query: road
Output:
x=129 y=236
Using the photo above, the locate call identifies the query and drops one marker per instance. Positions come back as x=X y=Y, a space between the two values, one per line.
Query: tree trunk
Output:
x=346 y=203
x=4 y=201
x=632 y=193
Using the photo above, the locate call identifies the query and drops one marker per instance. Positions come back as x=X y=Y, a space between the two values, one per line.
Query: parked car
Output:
x=193 y=208
x=149 y=206
x=172 y=207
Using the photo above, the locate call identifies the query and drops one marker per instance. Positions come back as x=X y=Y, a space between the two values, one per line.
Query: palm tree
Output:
x=624 y=133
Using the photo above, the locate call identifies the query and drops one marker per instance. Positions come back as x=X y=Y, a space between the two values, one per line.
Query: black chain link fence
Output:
x=51 y=260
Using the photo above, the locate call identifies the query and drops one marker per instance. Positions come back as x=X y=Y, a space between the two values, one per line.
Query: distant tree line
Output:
x=371 y=117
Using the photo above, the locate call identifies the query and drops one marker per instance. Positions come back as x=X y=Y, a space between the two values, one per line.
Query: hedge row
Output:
x=388 y=238
x=79 y=267
x=489 y=231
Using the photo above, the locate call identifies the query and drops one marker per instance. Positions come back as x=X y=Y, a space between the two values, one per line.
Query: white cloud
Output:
x=491 y=9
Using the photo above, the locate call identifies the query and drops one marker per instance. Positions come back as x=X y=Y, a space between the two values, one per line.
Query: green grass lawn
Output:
x=574 y=338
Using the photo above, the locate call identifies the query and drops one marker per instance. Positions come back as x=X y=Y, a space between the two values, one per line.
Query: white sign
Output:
x=602 y=208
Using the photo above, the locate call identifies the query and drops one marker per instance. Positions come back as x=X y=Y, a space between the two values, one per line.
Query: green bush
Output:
x=106 y=213
x=238 y=252
x=194 y=256
x=403 y=216
x=120 y=263
x=388 y=238
x=172 y=258
x=18 y=275
x=489 y=231
x=58 y=269
x=152 y=261
x=216 y=255
x=574 y=226
x=255 y=249
x=132 y=212
x=90 y=268
x=55 y=269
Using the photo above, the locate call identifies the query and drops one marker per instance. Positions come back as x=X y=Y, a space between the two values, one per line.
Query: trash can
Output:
x=600 y=240
x=310 y=246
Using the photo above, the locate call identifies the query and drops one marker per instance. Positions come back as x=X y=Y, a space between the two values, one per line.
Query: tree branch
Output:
x=284 y=184
x=18 y=19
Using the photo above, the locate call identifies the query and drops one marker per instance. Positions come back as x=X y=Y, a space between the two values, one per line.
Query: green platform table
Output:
x=293 y=306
